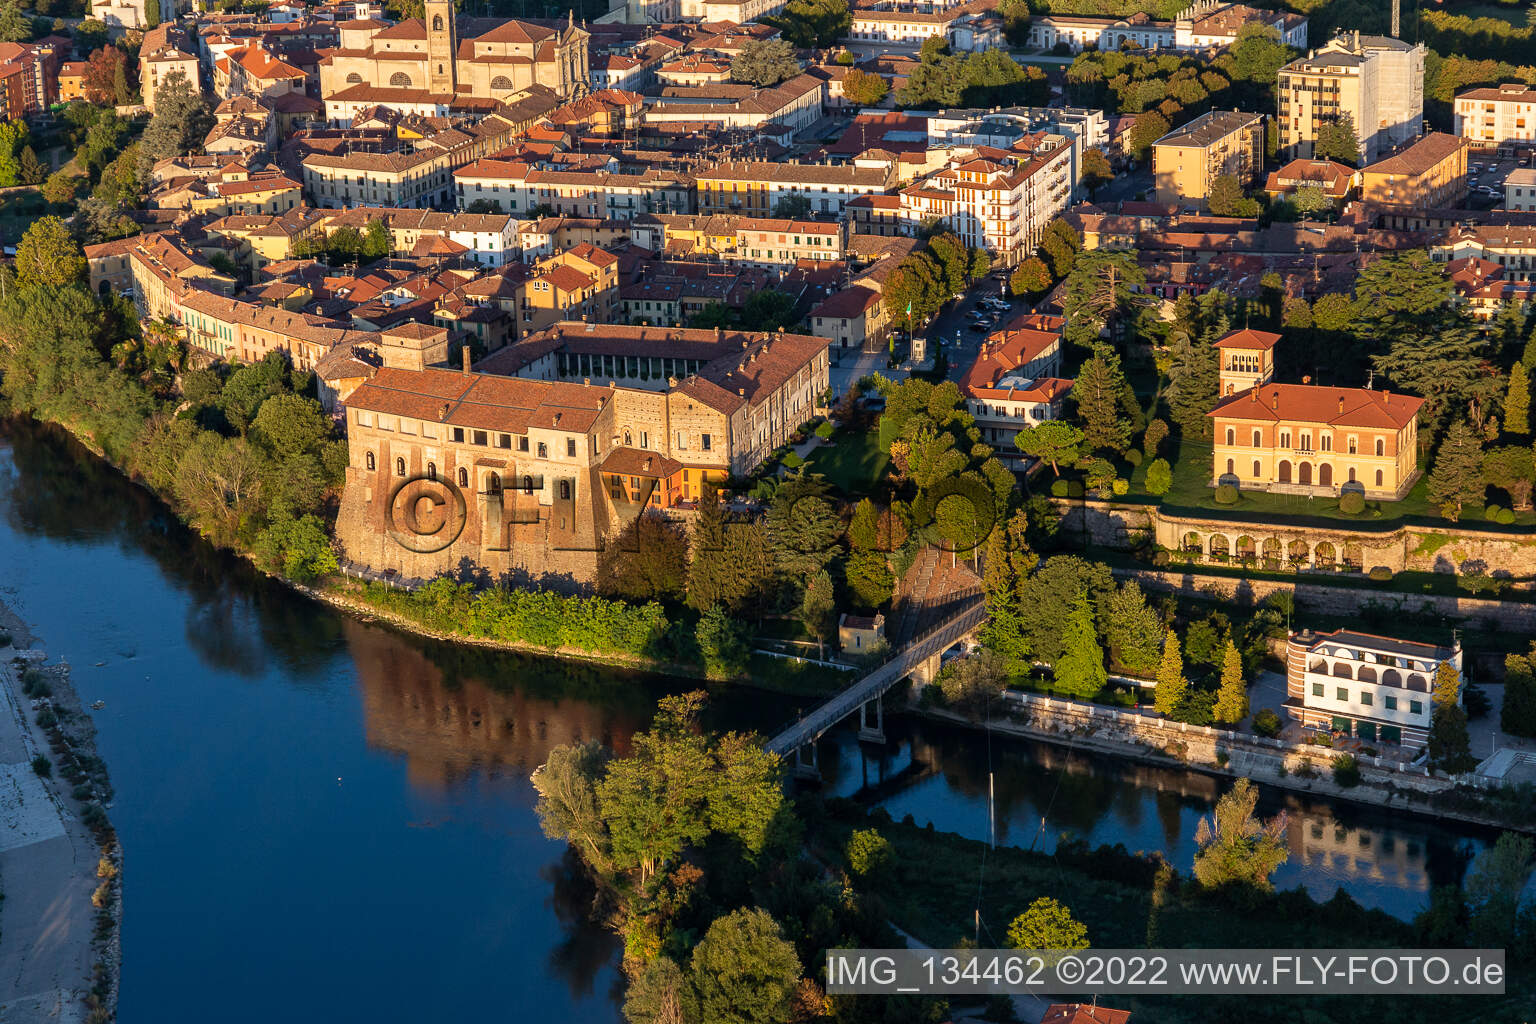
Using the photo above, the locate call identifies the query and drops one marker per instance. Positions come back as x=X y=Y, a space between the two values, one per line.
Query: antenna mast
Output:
x=1396 y=26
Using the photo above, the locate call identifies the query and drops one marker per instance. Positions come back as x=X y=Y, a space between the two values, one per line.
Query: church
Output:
x=444 y=57
x=1306 y=438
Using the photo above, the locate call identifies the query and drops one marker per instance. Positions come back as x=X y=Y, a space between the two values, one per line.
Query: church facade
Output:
x=446 y=56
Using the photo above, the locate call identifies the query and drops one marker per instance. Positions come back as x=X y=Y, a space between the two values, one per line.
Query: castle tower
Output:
x=442 y=48
x=1247 y=360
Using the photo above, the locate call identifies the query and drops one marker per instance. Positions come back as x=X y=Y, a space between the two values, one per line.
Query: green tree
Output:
x=812 y=24
x=1310 y=199
x=15 y=26
x=289 y=424
x=1159 y=477
x=864 y=527
x=647 y=561
x=1132 y=630
x=1059 y=248
x=567 y=807
x=864 y=89
x=913 y=292
x=1031 y=277
x=731 y=562
x=792 y=206
x=1336 y=140
x=1096 y=170
x=376 y=241
x=1517 y=402
x=61 y=187
x=1053 y=441
x=972 y=683
x=1048 y=596
x=1047 y=924
x=1098 y=293
x=1232 y=696
x=744 y=970
x=818 y=609
x=1450 y=744
x=48 y=255
x=1194 y=379
x=298 y=547
x=31 y=171
x=868 y=852
x=802 y=527
x=869 y=578
x=1080 y=670
x=1510 y=468
x=1494 y=887
x=1333 y=312
x=1456 y=480
x=764 y=63
x=1149 y=127
x=1171 y=684
x=180 y=123
x=1235 y=847
x=1517 y=715
x=722 y=643
x=1226 y=196
x=1097 y=394
x=661 y=994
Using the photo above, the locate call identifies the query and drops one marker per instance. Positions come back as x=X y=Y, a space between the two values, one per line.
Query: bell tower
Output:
x=1247 y=360
x=442 y=47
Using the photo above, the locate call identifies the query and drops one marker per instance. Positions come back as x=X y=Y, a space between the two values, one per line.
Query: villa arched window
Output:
x=494 y=483
x=431 y=471
x=463 y=477
x=399 y=467
x=527 y=484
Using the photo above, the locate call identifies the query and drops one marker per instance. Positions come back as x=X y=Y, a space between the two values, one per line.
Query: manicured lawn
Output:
x=853 y=463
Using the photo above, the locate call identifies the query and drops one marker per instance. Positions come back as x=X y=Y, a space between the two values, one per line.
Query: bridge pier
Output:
x=875 y=733
x=804 y=769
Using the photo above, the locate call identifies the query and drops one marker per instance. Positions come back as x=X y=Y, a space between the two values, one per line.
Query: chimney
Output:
x=442 y=414
x=586 y=382
x=1341 y=403
x=465 y=352
x=1274 y=400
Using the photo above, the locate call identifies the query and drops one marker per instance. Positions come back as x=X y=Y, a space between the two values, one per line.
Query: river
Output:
x=324 y=819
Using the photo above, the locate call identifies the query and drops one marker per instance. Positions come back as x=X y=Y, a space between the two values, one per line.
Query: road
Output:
x=955 y=319
x=48 y=868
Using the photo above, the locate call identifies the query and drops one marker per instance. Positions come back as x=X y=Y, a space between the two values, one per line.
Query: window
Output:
x=480 y=437
x=1378 y=478
x=570 y=447
x=504 y=440
x=1389 y=702
x=527 y=484
x=493 y=484
x=1381 y=446
x=457 y=434
x=1327 y=442
x=1365 y=698
x=628 y=440
x=1231 y=436
x=645 y=439
x=565 y=490
x=463 y=477
x=431 y=471
x=1342 y=694
x=399 y=467
x=1317 y=689
x=543 y=450
x=369 y=462
x=522 y=444
x=704 y=441
x=1416 y=707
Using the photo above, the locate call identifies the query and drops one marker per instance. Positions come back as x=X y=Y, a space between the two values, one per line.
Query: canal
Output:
x=320 y=813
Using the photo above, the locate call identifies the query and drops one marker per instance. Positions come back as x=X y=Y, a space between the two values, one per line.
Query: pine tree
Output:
x=1232 y=697
x=1450 y=745
x=1194 y=378
x=1457 y=477
x=1517 y=716
x=1447 y=691
x=1097 y=393
x=1001 y=631
x=1080 y=670
x=1171 y=684
x=1517 y=402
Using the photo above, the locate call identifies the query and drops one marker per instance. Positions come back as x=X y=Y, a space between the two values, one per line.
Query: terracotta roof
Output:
x=638 y=462
x=1082 y=1013
x=848 y=303
x=1248 y=338
x=1419 y=158
x=1313 y=403
x=483 y=401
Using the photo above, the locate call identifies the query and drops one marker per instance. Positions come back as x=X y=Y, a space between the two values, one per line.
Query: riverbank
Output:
x=1305 y=771
x=60 y=951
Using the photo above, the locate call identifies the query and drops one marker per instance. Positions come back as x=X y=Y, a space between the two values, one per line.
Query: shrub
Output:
x=1120 y=487
x=1491 y=513
x=1074 y=488
x=1320 y=739
x=1266 y=722
x=81 y=792
x=1506 y=517
x=868 y=852
x=1346 y=770
x=1380 y=573
x=824 y=430
x=42 y=766
x=1159 y=477
x=1226 y=494
x=1133 y=457
x=1352 y=503
x=932 y=696
x=47 y=718
x=792 y=461
x=1058 y=489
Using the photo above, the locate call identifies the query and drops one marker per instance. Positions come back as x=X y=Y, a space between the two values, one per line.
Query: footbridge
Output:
x=921 y=656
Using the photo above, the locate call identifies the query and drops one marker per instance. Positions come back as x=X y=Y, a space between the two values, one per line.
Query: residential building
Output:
x=1307 y=438
x=853 y=319
x=1430 y=173
x=778 y=243
x=445 y=56
x=1000 y=200
x=904 y=24
x=1520 y=189
x=1002 y=129
x=1497 y=117
x=72 y=81
x=1013 y=383
x=1205 y=24
x=1511 y=246
x=1336 y=180
x=1375 y=688
x=755 y=188
x=29 y=76
x=518 y=187
x=124 y=15
x=581 y=283
x=789 y=106
x=1187 y=160
x=1083 y=1013
x=1375 y=81
x=416 y=173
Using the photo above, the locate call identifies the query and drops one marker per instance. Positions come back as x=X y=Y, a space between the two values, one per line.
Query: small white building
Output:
x=1375 y=688
x=1520 y=189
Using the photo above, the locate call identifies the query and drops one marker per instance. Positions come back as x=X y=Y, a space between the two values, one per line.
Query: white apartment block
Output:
x=1499 y=116
x=1378 y=82
x=1000 y=200
x=1203 y=25
x=517 y=187
x=1375 y=688
x=1000 y=129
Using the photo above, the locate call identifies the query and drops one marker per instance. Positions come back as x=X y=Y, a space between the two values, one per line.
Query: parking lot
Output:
x=1485 y=179
x=962 y=326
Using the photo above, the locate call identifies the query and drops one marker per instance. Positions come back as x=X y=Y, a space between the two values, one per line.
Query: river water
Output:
x=323 y=819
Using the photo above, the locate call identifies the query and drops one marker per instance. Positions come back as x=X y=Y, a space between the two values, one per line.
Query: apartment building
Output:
x=1430 y=173
x=1013 y=382
x=1511 y=246
x=1375 y=81
x=1001 y=129
x=854 y=318
x=1306 y=438
x=1205 y=24
x=901 y=23
x=1376 y=688
x=1187 y=160
x=1336 y=180
x=581 y=283
x=790 y=106
x=486 y=239
x=1000 y=200
x=29 y=76
x=779 y=244
x=1497 y=117
x=755 y=188
x=517 y=187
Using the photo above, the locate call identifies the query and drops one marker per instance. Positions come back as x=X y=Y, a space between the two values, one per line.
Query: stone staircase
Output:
x=930 y=593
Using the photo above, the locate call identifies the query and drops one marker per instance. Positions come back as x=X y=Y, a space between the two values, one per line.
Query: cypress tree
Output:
x=1171 y=684
x=1080 y=670
x=1517 y=402
x=1232 y=697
